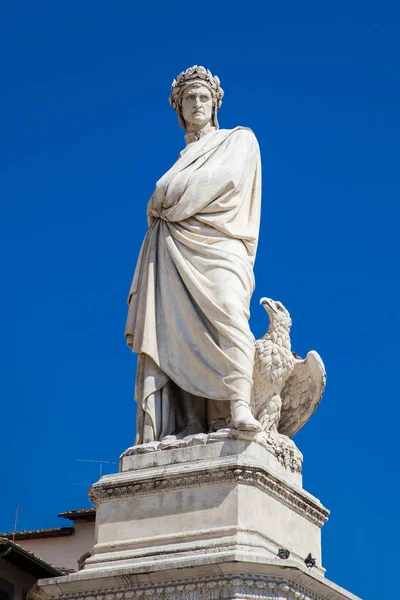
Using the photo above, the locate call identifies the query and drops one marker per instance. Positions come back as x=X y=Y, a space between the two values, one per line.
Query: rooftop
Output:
x=37 y=533
x=82 y=514
x=25 y=560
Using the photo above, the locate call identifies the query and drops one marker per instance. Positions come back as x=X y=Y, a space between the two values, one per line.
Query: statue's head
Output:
x=196 y=96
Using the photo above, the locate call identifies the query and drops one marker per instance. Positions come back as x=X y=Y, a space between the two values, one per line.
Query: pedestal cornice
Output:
x=256 y=582
x=124 y=485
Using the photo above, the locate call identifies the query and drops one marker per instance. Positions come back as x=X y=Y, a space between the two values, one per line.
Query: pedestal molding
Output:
x=111 y=490
x=226 y=587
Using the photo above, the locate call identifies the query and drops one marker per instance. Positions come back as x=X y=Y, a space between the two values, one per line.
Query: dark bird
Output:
x=283 y=553
x=310 y=561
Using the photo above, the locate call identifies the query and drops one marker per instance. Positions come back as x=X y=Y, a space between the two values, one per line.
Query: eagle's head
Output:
x=279 y=316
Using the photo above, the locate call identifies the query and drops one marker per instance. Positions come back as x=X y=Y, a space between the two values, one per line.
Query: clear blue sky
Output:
x=86 y=131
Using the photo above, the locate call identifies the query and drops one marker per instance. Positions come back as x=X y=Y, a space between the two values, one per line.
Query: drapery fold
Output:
x=189 y=299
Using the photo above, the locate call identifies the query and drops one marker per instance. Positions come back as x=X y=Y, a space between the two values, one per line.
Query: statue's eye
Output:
x=204 y=98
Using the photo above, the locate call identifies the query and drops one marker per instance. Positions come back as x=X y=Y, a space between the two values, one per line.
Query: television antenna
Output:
x=101 y=464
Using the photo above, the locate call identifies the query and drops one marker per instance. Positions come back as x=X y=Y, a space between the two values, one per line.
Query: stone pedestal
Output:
x=201 y=518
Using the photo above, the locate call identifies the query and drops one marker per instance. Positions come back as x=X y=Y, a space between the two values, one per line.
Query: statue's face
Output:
x=197 y=106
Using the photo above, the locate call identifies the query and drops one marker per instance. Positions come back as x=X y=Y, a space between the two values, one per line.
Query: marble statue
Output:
x=190 y=294
x=189 y=299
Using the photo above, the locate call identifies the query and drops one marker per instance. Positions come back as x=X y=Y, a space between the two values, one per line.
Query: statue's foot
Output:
x=242 y=416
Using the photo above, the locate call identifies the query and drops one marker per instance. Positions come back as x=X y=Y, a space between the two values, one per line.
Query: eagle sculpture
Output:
x=286 y=389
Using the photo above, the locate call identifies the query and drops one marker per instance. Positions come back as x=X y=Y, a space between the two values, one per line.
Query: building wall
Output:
x=63 y=551
x=13 y=576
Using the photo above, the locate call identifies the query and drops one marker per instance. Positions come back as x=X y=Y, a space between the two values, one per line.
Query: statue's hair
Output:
x=196 y=75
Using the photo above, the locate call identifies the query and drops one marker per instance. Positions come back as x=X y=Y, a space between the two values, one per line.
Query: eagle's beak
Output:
x=269 y=303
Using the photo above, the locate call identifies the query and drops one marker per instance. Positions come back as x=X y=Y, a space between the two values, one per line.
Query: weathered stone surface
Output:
x=201 y=522
x=260 y=580
x=266 y=448
x=214 y=499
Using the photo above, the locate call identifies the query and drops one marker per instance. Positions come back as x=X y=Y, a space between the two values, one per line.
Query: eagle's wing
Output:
x=302 y=393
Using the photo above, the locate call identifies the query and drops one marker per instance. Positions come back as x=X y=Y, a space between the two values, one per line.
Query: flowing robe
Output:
x=190 y=295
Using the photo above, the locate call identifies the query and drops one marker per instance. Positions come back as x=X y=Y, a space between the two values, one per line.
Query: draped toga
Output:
x=190 y=295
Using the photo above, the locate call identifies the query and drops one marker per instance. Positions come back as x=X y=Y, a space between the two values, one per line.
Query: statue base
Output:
x=203 y=518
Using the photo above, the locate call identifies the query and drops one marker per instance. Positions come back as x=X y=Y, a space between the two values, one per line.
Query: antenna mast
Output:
x=15 y=523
